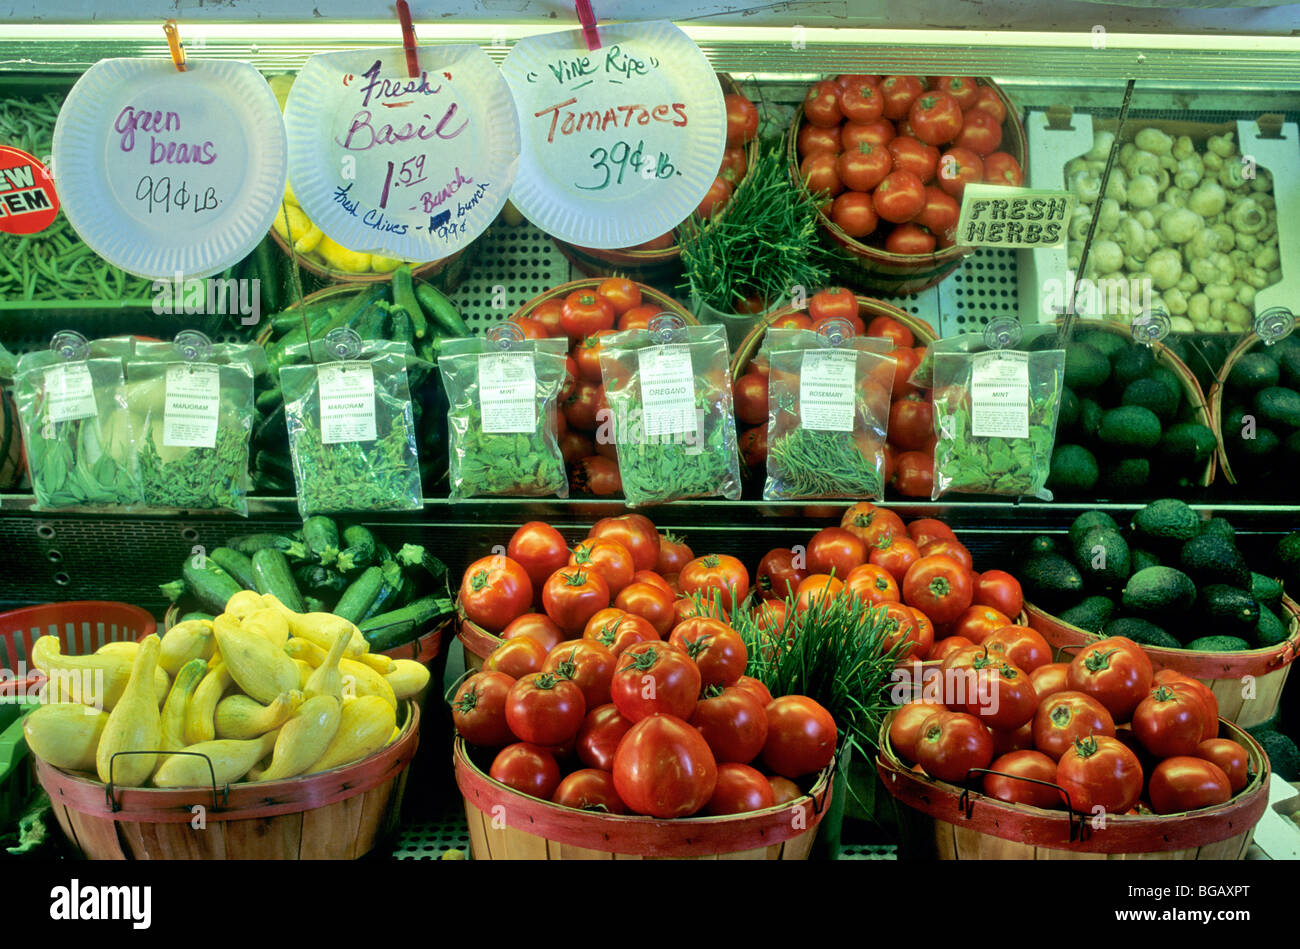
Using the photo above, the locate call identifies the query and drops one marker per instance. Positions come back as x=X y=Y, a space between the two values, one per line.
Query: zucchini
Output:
x=269 y=399
x=321 y=535
x=271 y=571
x=210 y=585
x=359 y=549
x=399 y=626
x=195 y=614
x=250 y=544
x=404 y=297
x=314 y=605
x=402 y=330
x=319 y=580
x=445 y=317
x=415 y=555
x=394 y=591
x=236 y=564
x=360 y=595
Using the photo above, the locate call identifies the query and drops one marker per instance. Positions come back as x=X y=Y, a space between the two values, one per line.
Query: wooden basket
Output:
x=873 y=268
x=1246 y=344
x=333 y=815
x=968 y=825
x=507 y=825
x=658 y=266
x=1223 y=672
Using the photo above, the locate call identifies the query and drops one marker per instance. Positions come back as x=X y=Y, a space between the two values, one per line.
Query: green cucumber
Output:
x=321 y=535
x=404 y=296
x=358 y=597
x=357 y=305
x=398 y=626
x=209 y=584
x=445 y=317
x=236 y=564
x=403 y=328
x=271 y=571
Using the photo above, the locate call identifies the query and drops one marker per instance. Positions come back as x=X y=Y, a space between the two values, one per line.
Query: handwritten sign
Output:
x=28 y=202
x=406 y=166
x=620 y=144
x=164 y=172
x=1000 y=216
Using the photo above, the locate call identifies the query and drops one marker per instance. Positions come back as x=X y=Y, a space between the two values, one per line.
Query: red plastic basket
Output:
x=81 y=625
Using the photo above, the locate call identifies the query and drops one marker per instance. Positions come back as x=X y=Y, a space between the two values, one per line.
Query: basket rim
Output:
x=1244 y=345
x=426 y=268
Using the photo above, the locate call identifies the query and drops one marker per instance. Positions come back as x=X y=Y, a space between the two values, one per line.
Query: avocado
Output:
x=1030 y=546
x=1132 y=363
x=1169 y=379
x=1154 y=395
x=1228 y=609
x=1166 y=520
x=1091 y=613
x=1074 y=470
x=1221 y=527
x=1130 y=428
x=1142 y=559
x=1108 y=344
x=1103 y=557
x=1126 y=477
x=1211 y=558
x=1187 y=445
x=1218 y=644
x=1269 y=631
x=1159 y=592
x=1087 y=520
x=1253 y=371
x=1286 y=557
x=1050 y=580
x=1090 y=414
x=1141 y=631
x=1288 y=363
x=1067 y=416
x=1267 y=591
x=1259 y=447
x=1282 y=753
x=1279 y=407
x=1085 y=368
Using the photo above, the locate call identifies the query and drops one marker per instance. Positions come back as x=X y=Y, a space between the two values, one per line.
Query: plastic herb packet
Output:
x=503 y=394
x=71 y=402
x=828 y=413
x=995 y=418
x=351 y=426
x=670 y=412
x=192 y=412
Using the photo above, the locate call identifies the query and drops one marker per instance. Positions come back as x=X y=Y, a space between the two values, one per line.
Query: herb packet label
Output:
x=507 y=393
x=667 y=390
x=69 y=393
x=826 y=390
x=1000 y=395
x=191 y=405
x=347 y=402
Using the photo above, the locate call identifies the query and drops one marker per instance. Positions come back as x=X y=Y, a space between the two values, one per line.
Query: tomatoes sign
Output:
x=27 y=200
x=1001 y=216
x=619 y=144
x=406 y=166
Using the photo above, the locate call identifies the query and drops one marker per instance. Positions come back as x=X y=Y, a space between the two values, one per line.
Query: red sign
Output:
x=28 y=202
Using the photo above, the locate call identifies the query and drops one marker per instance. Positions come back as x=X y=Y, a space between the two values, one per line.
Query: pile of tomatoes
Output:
x=1101 y=731
x=909 y=451
x=611 y=692
x=919 y=573
x=892 y=155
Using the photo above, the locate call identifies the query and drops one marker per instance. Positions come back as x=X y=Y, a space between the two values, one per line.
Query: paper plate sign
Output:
x=163 y=172
x=27 y=200
x=620 y=144
x=408 y=167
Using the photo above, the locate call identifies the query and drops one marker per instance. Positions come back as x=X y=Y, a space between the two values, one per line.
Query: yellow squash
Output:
x=244 y=603
x=191 y=639
x=231 y=760
x=133 y=725
x=126 y=648
x=268 y=622
x=327 y=679
x=65 y=735
x=305 y=670
x=319 y=628
x=240 y=717
x=361 y=680
x=178 y=700
x=377 y=661
x=258 y=666
x=92 y=680
x=306 y=650
x=364 y=726
x=302 y=740
x=408 y=678
x=202 y=707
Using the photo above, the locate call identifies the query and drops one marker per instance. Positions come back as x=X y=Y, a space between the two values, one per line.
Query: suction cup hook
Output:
x=505 y=335
x=343 y=343
x=1003 y=332
x=665 y=328
x=1151 y=326
x=1274 y=324
x=70 y=345
x=192 y=345
x=836 y=330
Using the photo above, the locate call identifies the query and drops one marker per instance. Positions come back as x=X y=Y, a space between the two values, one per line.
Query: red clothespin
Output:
x=587 y=17
x=408 y=38
x=175 y=45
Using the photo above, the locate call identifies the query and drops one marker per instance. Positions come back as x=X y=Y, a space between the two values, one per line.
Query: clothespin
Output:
x=175 y=45
x=587 y=17
x=408 y=38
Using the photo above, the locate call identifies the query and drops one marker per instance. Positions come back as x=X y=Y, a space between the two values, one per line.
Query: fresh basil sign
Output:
x=414 y=167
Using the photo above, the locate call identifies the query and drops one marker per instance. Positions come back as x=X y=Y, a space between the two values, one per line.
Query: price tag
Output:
x=347 y=402
x=414 y=168
x=69 y=393
x=28 y=202
x=620 y=144
x=170 y=174
x=507 y=392
x=192 y=404
x=667 y=390
x=1001 y=216
x=827 y=394
x=1000 y=395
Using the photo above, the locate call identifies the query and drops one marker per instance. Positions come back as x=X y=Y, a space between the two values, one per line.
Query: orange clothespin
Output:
x=408 y=38
x=587 y=17
x=175 y=45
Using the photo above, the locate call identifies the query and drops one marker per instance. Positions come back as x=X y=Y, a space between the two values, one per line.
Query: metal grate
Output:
x=430 y=839
x=512 y=264
x=868 y=852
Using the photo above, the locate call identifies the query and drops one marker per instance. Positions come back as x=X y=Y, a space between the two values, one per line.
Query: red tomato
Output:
x=834 y=302
x=599 y=736
x=584 y=313
x=609 y=559
x=673 y=554
x=530 y=328
x=716 y=198
x=587 y=664
x=616 y=629
x=945 y=647
x=590 y=789
x=1208 y=700
x=581 y=408
x=548 y=313
x=777 y=576
x=910 y=238
x=814 y=588
x=539 y=549
x=860 y=99
x=962 y=88
x=938 y=585
x=1183 y=783
x=1100 y=772
x=869 y=523
x=784 y=790
x=717 y=649
x=924 y=635
x=835 y=549
x=911 y=422
x=872 y=583
x=900 y=197
x=635 y=532
x=655 y=678
x=940 y=213
x=1233 y=760
x=753 y=446
x=958 y=167
x=1015 y=784
x=914 y=473
x=537 y=626
x=657 y=581
x=923 y=530
x=622 y=293
x=658 y=243
x=1020 y=645
x=854 y=214
x=571 y=597
x=663 y=768
x=936 y=117
x=638 y=318
x=905 y=363
x=800 y=736
x=820 y=173
x=844 y=80
x=734 y=724
x=1116 y=672
x=1004 y=697
x=987 y=98
x=900 y=626
x=886 y=327
x=1000 y=590
x=588 y=356
x=595 y=475
x=899 y=92
x=1066 y=717
x=879 y=132
x=913 y=155
x=517 y=657
x=894 y=554
x=650 y=601
x=865 y=166
x=740 y=789
x=494 y=591
x=544 y=709
x=821 y=104
x=749 y=394
x=1169 y=723
x=742 y=119
x=953 y=550
x=905 y=727
x=527 y=769
x=734 y=165
x=718 y=572
x=814 y=139
x=479 y=709
x=574 y=446
x=950 y=744
x=1001 y=169
x=980 y=132
x=1050 y=678
x=977 y=623
x=756 y=689
x=1017 y=739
